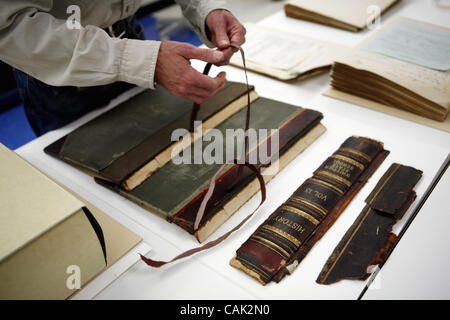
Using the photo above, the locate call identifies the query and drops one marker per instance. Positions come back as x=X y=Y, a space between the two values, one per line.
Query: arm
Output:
x=173 y=70
x=37 y=43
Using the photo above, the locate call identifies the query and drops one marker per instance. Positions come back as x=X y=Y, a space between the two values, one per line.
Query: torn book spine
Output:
x=370 y=239
x=283 y=240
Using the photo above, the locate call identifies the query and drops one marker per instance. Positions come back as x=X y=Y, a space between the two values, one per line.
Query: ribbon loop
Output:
x=209 y=193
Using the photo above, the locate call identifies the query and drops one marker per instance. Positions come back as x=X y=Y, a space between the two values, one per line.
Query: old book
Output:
x=405 y=66
x=284 y=239
x=47 y=231
x=369 y=241
x=119 y=145
x=130 y=142
x=352 y=15
x=285 y=56
x=176 y=191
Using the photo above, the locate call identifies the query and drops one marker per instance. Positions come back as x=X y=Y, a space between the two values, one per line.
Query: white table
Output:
x=208 y=274
x=417 y=268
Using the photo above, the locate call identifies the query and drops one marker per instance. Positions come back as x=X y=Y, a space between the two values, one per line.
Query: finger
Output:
x=207 y=55
x=222 y=77
x=195 y=98
x=200 y=95
x=238 y=35
x=238 y=39
x=217 y=23
x=202 y=92
x=205 y=93
x=197 y=79
x=221 y=39
x=227 y=53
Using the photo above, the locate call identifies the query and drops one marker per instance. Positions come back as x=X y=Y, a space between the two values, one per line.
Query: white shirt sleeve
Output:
x=34 y=41
x=196 y=12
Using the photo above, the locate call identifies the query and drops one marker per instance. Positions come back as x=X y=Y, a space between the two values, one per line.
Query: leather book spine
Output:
x=284 y=239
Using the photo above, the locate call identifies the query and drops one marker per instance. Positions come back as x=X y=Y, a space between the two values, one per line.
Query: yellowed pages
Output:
x=352 y=12
x=333 y=93
x=285 y=56
x=430 y=84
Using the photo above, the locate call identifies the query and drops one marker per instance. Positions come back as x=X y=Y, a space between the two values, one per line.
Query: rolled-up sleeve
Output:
x=34 y=41
x=196 y=12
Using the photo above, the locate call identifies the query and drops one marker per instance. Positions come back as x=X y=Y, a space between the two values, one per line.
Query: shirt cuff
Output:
x=199 y=23
x=138 y=62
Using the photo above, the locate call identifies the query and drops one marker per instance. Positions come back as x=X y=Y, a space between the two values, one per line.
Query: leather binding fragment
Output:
x=370 y=239
x=284 y=239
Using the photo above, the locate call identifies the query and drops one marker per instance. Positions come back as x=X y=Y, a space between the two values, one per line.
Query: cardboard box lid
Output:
x=30 y=203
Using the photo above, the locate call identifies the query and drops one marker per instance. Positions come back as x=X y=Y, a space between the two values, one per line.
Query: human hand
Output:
x=174 y=72
x=223 y=29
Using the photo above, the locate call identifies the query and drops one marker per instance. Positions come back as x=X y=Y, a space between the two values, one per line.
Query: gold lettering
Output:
x=289 y=223
x=320 y=195
x=340 y=167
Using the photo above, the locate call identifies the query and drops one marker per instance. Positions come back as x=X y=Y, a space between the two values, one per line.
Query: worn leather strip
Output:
x=157 y=264
x=247 y=118
x=370 y=239
x=209 y=193
x=310 y=211
x=196 y=106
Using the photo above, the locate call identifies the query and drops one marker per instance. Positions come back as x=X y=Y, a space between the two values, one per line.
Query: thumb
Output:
x=207 y=55
x=219 y=35
x=221 y=38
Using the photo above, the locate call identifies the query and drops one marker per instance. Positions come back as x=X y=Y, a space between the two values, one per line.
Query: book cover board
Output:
x=124 y=139
x=175 y=191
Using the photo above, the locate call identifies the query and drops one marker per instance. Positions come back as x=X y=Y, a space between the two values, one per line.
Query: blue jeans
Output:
x=48 y=107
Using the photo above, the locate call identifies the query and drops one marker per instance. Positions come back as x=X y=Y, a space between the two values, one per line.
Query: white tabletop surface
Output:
x=208 y=274
x=418 y=267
